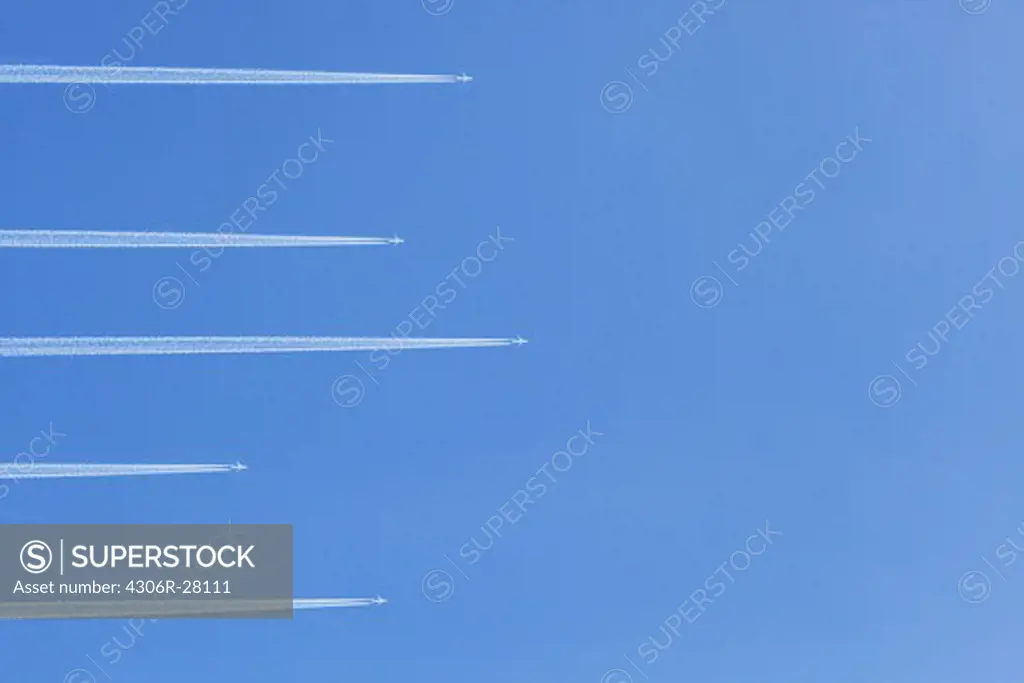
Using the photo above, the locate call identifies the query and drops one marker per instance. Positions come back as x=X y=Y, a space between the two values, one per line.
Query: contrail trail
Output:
x=97 y=239
x=159 y=346
x=74 y=470
x=327 y=603
x=149 y=75
x=196 y=608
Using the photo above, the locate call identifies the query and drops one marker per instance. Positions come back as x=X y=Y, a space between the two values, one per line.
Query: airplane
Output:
x=379 y=600
x=397 y=240
x=463 y=78
x=239 y=467
x=519 y=341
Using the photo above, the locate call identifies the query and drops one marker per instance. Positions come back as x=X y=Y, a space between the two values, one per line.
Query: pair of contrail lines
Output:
x=151 y=75
x=160 y=346
x=101 y=239
x=75 y=470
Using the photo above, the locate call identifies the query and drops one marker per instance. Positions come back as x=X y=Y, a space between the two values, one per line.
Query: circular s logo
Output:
x=36 y=557
x=79 y=98
x=974 y=587
x=348 y=391
x=707 y=291
x=168 y=293
x=437 y=7
x=616 y=97
x=79 y=676
x=884 y=391
x=975 y=6
x=438 y=585
x=616 y=676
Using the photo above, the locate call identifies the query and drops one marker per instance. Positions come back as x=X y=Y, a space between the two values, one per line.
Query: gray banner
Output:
x=106 y=571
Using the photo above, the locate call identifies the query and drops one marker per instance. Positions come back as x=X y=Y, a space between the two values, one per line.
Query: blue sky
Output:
x=713 y=419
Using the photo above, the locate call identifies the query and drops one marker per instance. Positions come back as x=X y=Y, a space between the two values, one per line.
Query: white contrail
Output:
x=97 y=239
x=159 y=346
x=73 y=470
x=196 y=608
x=327 y=603
x=147 y=75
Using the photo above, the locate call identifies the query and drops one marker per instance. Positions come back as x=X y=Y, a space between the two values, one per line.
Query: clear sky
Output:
x=618 y=182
